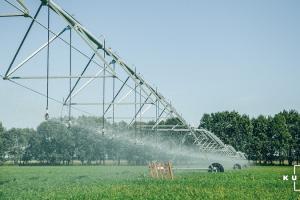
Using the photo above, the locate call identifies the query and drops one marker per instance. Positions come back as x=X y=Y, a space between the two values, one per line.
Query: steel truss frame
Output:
x=145 y=96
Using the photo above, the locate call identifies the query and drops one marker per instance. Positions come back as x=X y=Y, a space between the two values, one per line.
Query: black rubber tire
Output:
x=237 y=166
x=215 y=167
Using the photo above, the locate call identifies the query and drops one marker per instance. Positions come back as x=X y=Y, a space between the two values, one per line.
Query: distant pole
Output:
x=135 y=104
x=140 y=125
x=103 y=95
x=70 y=79
x=113 y=106
x=48 y=61
x=156 y=116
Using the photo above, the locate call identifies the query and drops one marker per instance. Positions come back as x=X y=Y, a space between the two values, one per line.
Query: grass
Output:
x=124 y=182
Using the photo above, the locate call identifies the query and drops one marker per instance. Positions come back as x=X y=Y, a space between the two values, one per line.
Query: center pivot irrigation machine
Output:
x=124 y=94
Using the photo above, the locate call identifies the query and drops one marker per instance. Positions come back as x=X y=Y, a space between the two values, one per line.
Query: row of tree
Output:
x=263 y=139
x=54 y=143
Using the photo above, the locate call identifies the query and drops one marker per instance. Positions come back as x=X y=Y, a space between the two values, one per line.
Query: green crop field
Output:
x=124 y=182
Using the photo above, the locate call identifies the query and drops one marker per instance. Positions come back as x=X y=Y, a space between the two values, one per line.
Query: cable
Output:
x=75 y=48
x=43 y=95
x=48 y=36
x=23 y=40
x=43 y=26
x=16 y=7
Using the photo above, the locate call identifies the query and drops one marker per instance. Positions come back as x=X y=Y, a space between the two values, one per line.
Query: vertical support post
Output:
x=150 y=170
x=79 y=78
x=113 y=108
x=170 y=170
x=135 y=104
x=48 y=62
x=140 y=125
x=156 y=116
x=156 y=170
x=103 y=95
x=70 y=80
x=161 y=170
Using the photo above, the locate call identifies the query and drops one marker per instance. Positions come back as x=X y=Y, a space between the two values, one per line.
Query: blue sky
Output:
x=205 y=56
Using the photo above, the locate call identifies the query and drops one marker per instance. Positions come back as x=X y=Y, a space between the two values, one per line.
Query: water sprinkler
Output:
x=46 y=115
x=69 y=123
x=138 y=142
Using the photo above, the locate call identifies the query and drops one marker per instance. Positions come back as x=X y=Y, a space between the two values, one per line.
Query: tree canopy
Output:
x=263 y=139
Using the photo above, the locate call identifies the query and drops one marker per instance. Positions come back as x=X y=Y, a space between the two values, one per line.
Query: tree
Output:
x=206 y=122
x=56 y=143
x=32 y=149
x=230 y=127
x=292 y=119
x=259 y=138
x=280 y=137
x=2 y=144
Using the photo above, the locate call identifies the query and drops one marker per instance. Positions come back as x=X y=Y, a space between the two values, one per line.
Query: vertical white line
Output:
x=295 y=190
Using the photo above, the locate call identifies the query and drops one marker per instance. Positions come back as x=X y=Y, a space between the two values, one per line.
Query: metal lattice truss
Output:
x=127 y=88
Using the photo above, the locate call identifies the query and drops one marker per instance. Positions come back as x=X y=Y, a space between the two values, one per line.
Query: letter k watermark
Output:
x=285 y=177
